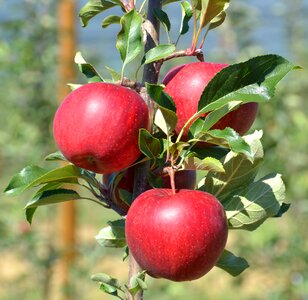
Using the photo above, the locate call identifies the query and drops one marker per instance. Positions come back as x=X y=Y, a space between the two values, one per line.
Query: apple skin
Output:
x=96 y=127
x=185 y=84
x=178 y=236
x=185 y=179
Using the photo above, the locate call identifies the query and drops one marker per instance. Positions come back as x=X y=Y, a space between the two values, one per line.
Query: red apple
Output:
x=185 y=85
x=96 y=127
x=185 y=179
x=177 y=236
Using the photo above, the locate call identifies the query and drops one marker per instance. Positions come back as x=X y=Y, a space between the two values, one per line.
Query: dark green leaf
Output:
x=163 y=18
x=113 y=235
x=239 y=170
x=252 y=81
x=216 y=152
x=111 y=20
x=283 y=209
x=87 y=69
x=157 y=94
x=187 y=13
x=232 y=264
x=126 y=196
x=129 y=39
x=159 y=52
x=93 y=8
x=148 y=144
x=29 y=214
x=262 y=199
x=55 y=156
x=52 y=197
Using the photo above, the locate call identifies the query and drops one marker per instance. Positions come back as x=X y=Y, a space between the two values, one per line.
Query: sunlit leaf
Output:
x=260 y=200
x=113 y=235
x=206 y=164
x=93 y=8
x=159 y=52
x=187 y=13
x=129 y=39
x=87 y=69
x=239 y=170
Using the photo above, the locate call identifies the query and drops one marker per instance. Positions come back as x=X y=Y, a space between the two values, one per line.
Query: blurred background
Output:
x=29 y=81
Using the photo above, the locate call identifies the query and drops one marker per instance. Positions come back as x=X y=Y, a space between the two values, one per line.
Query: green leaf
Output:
x=206 y=164
x=87 y=69
x=113 y=235
x=261 y=199
x=126 y=196
x=52 y=197
x=24 y=179
x=215 y=151
x=30 y=213
x=55 y=156
x=165 y=119
x=218 y=20
x=159 y=52
x=93 y=8
x=112 y=19
x=74 y=86
x=129 y=39
x=137 y=283
x=187 y=13
x=158 y=95
x=114 y=74
x=201 y=126
x=105 y=278
x=232 y=264
x=148 y=144
x=240 y=171
x=32 y=176
x=109 y=289
x=211 y=9
x=163 y=18
x=252 y=81
x=228 y=138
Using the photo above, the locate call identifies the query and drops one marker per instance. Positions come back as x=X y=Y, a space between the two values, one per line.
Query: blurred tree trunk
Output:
x=66 y=73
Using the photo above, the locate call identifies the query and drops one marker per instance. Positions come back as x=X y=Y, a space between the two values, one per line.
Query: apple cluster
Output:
x=174 y=235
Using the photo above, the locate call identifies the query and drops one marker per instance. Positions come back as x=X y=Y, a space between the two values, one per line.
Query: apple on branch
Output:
x=96 y=127
x=176 y=235
x=185 y=84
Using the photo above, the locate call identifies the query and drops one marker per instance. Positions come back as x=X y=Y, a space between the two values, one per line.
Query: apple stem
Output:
x=172 y=183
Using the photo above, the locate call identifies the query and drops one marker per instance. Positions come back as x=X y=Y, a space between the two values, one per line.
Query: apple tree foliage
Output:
x=230 y=167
